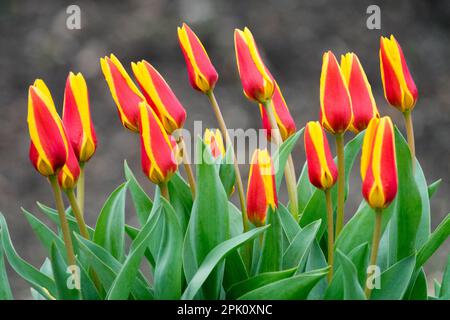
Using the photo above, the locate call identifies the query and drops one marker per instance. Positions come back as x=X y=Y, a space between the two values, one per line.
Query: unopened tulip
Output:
x=213 y=139
x=322 y=170
x=261 y=190
x=285 y=123
x=399 y=87
x=159 y=96
x=335 y=102
x=77 y=118
x=124 y=92
x=257 y=82
x=157 y=156
x=202 y=74
x=364 y=107
x=378 y=163
x=49 y=145
x=68 y=175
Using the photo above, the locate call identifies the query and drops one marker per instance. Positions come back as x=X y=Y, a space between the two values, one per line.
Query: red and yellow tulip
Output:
x=257 y=82
x=68 y=175
x=49 y=145
x=157 y=156
x=213 y=139
x=335 y=101
x=378 y=163
x=124 y=92
x=261 y=189
x=322 y=170
x=202 y=74
x=77 y=118
x=364 y=107
x=159 y=96
x=399 y=87
x=285 y=122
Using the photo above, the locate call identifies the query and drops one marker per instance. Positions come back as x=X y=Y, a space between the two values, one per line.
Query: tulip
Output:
x=157 y=157
x=283 y=117
x=257 y=82
x=364 y=107
x=261 y=189
x=124 y=92
x=213 y=139
x=68 y=175
x=202 y=74
x=159 y=96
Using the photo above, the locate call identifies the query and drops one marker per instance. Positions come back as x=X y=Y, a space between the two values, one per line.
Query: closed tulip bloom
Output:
x=157 y=156
x=77 y=118
x=49 y=145
x=335 y=102
x=322 y=170
x=68 y=175
x=257 y=82
x=202 y=74
x=378 y=164
x=261 y=191
x=399 y=87
x=364 y=107
x=213 y=139
x=124 y=92
x=284 y=119
x=159 y=96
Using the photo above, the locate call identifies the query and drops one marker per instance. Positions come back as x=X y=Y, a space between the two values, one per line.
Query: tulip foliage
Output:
x=199 y=244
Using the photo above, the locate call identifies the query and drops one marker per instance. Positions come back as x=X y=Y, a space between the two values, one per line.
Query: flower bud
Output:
x=68 y=175
x=213 y=139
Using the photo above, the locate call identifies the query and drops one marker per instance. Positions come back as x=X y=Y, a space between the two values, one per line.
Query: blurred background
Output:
x=292 y=35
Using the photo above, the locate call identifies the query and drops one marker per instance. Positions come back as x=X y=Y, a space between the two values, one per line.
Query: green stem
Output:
x=164 y=190
x=375 y=245
x=63 y=220
x=80 y=189
x=187 y=167
x=410 y=136
x=340 y=183
x=77 y=213
x=330 y=225
x=289 y=170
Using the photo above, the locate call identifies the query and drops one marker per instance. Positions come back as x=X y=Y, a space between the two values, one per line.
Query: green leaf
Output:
x=290 y=226
x=180 y=199
x=424 y=228
x=142 y=202
x=437 y=288
x=61 y=276
x=241 y=288
x=419 y=290
x=432 y=188
x=214 y=258
x=305 y=189
x=132 y=233
x=271 y=257
x=110 y=227
x=5 y=289
x=444 y=292
x=352 y=288
x=317 y=260
x=227 y=173
x=46 y=268
x=293 y=288
x=394 y=280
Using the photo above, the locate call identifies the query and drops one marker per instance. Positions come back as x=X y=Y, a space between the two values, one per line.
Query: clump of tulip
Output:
x=199 y=244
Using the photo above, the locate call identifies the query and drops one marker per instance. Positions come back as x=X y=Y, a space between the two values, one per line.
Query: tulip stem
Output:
x=63 y=220
x=330 y=225
x=80 y=189
x=187 y=167
x=375 y=244
x=77 y=213
x=410 y=136
x=289 y=170
x=164 y=190
x=340 y=183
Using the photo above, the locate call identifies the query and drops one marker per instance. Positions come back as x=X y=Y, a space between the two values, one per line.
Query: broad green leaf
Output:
x=423 y=232
x=180 y=199
x=432 y=188
x=110 y=227
x=271 y=257
x=352 y=288
x=214 y=258
x=305 y=189
x=241 y=288
x=46 y=268
x=419 y=290
x=290 y=226
x=394 y=280
x=142 y=202
x=235 y=218
x=5 y=289
x=227 y=173
x=444 y=292
x=132 y=232
x=61 y=276
x=316 y=260
x=293 y=288
x=437 y=288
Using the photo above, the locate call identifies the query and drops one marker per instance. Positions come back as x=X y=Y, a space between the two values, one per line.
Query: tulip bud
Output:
x=285 y=123
x=399 y=87
x=257 y=82
x=124 y=92
x=322 y=170
x=77 y=118
x=378 y=163
x=213 y=139
x=68 y=175
x=157 y=157
x=335 y=102
x=49 y=145
x=364 y=107
x=159 y=96
x=261 y=191
x=202 y=74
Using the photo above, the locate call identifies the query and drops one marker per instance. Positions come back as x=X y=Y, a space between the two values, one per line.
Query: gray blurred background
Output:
x=292 y=35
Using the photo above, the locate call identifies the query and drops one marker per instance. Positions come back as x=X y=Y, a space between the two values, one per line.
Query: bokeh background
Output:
x=292 y=35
